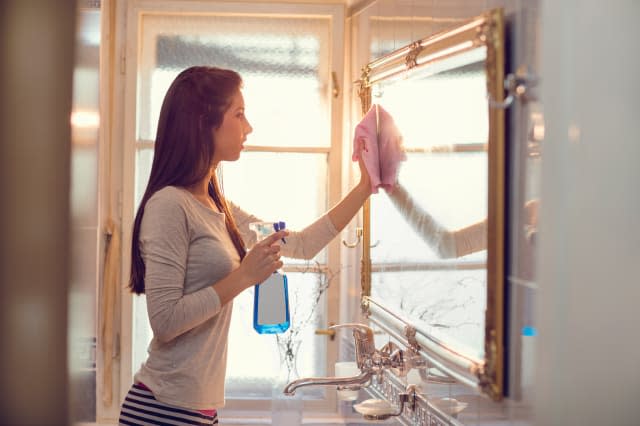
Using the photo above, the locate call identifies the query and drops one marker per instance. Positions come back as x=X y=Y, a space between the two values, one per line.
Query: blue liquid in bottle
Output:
x=271 y=297
x=271 y=305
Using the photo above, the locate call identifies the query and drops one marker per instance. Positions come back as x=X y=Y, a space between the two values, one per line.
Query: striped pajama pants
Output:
x=140 y=407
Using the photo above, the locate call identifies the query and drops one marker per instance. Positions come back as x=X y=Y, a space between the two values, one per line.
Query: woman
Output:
x=188 y=249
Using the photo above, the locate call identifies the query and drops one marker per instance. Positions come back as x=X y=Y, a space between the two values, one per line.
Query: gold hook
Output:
x=359 y=234
x=336 y=86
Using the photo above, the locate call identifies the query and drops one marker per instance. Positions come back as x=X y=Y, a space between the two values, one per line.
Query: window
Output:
x=286 y=57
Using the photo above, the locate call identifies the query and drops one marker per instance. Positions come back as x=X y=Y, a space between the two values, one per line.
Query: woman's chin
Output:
x=232 y=157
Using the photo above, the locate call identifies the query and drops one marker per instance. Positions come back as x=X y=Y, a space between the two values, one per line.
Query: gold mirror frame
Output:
x=485 y=374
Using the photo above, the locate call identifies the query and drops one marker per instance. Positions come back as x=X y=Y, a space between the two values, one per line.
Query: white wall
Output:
x=588 y=370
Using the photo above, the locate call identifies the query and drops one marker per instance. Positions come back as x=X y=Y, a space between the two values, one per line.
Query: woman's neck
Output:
x=200 y=191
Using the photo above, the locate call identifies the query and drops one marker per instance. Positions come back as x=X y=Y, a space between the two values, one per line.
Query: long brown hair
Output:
x=192 y=108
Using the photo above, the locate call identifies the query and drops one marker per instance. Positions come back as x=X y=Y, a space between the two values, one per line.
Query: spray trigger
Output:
x=279 y=226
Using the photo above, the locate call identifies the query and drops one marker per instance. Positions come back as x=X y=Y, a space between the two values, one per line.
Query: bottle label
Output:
x=271 y=305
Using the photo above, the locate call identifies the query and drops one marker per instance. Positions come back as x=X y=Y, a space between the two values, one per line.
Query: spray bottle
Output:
x=271 y=297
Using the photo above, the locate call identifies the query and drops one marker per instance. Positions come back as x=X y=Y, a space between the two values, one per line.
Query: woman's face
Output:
x=229 y=138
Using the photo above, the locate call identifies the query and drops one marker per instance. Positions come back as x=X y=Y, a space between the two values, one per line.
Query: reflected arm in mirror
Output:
x=447 y=243
x=453 y=243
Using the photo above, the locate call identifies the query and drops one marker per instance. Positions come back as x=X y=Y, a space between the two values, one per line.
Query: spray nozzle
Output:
x=264 y=229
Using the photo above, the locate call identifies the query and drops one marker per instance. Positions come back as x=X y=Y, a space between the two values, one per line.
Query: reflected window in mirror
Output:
x=445 y=136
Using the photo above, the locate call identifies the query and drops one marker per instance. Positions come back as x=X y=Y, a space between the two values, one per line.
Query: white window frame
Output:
x=126 y=16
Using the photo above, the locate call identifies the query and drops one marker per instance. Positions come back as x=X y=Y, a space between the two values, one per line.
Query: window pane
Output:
x=141 y=329
x=289 y=187
x=144 y=158
x=283 y=59
x=250 y=377
x=142 y=332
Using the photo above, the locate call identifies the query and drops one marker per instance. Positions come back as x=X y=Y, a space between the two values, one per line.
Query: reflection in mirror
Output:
x=433 y=245
x=438 y=220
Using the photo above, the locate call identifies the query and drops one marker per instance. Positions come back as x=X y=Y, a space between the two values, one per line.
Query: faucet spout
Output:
x=361 y=379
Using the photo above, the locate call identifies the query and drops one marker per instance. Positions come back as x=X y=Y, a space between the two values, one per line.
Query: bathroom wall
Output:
x=412 y=20
x=587 y=370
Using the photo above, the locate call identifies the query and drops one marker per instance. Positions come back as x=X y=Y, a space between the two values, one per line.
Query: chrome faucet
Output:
x=363 y=336
x=370 y=361
x=351 y=383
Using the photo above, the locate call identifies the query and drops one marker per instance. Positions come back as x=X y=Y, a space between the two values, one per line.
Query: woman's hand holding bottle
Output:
x=263 y=259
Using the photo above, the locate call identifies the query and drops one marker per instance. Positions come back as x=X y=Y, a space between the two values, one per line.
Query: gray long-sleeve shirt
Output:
x=186 y=248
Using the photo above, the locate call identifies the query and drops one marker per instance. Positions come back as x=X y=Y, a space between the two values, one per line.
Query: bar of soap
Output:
x=374 y=407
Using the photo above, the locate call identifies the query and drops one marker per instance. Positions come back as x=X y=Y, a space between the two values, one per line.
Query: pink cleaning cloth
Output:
x=379 y=141
x=365 y=143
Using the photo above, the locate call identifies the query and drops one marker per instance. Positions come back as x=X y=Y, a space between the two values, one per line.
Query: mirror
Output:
x=433 y=253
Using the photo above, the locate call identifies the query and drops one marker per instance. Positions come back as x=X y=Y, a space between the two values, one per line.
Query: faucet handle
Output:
x=363 y=328
x=363 y=335
x=361 y=332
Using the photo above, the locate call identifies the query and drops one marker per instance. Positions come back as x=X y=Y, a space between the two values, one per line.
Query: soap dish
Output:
x=451 y=406
x=374 y=408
